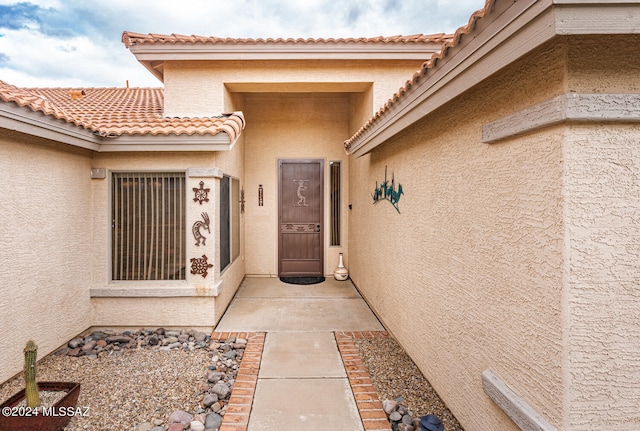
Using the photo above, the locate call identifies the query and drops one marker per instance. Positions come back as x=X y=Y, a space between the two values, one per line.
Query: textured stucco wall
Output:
x=602 y=197
x=289 y=126
x=469 y=275
x=45 y=246
x=183 y=98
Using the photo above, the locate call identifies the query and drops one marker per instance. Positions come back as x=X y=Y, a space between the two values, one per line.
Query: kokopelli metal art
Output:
x=204 y=223
x=302 y=186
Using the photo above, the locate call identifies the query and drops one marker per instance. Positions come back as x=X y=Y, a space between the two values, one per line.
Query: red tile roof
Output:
x=112 y=112
x=131 y=38
x=421 y=74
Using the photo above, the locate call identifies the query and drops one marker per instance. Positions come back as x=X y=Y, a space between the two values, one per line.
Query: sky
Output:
x=77 y=43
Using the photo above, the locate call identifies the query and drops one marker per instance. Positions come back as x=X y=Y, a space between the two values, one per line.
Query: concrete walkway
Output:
x=308 y=374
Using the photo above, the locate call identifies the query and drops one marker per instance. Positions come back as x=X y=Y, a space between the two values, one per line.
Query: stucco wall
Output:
x=45 y=243
x=469 y=275
x=602 y=196
x=289 y=126
x=183 y=98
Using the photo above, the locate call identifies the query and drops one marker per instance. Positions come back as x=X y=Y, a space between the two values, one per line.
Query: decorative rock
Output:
x=158 y=428
x=213 y=421
x=405 y=427
x=200 y=336
x=88 y=346
x=76 y=342
x=407 y=419
x=389 y=406
x=221 y=389
x=216 y=407
x=172 y=333
x=215 y=377
x=183 y=338
x=180 y=417
x=122 y=339
x=176 y=427
x=159 y=331
x=209 y=399
x=101 y=343
x=196 y=426
x=153 y=340
x=395 y=416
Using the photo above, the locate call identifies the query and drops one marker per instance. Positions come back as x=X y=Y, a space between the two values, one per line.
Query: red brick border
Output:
x=236 y=417
x=369 y=406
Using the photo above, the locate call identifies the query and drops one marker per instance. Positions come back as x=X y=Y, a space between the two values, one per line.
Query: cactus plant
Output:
x=31 y=386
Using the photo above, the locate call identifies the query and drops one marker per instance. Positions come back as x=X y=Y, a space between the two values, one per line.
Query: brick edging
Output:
x=236 y=417
x=369 y=406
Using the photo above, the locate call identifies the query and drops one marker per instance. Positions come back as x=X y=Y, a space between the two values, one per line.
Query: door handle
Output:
x=318 y=228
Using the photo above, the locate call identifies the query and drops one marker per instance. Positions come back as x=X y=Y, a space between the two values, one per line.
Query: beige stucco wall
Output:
x=524 y=252
x=45 y=243
x=289 y=126
x=469 y=275
x=602 y=209
x=209 y=97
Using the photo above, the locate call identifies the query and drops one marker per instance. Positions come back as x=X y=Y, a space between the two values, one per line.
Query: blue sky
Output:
x=77 y=43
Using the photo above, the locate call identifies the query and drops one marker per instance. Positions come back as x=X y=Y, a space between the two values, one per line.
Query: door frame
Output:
x=321 y=161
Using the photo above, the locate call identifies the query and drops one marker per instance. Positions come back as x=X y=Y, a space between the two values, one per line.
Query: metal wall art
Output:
x=200 y=265
x=202 y=194
x=260 y=195
x=242 y=201
x=204 y=223
x=303 y=185
x=386 y=191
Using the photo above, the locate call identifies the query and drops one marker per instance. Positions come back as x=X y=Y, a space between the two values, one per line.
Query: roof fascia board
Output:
x=523 y=27
x=162 y=143
x=24 y=120
x=152 y=52
x=594 y=17
x=513 y=33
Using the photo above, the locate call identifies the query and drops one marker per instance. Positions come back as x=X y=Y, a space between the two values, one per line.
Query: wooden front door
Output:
x=300 y=218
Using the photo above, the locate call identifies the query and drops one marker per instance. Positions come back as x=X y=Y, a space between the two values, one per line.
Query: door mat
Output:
x=302 y=280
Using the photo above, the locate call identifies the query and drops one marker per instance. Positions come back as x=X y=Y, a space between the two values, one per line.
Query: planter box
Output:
x=52 y=418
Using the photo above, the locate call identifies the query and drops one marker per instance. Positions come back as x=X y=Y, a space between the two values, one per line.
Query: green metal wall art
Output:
x=387 y=191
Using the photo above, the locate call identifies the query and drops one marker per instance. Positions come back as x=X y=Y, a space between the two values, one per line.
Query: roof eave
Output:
x=153 y=56
x=513 y=30
x=38 y=124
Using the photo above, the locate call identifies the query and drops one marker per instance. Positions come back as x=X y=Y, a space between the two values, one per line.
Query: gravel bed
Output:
x=124 y=390
x=394 y=375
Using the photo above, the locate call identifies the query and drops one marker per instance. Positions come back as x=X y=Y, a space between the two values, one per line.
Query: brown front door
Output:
x=300 y=218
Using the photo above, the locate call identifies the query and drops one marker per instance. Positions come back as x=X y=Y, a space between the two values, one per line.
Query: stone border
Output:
x=369 y=406
x=236 y=417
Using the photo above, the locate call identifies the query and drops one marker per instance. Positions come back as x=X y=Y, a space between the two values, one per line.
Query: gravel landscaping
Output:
x=396 y=377
x=151 y=380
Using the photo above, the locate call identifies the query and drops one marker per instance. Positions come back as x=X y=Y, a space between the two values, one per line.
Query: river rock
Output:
x=209 y=399
x=221 y=389
x=181 y=417
x=213 y=421
x=196 y=426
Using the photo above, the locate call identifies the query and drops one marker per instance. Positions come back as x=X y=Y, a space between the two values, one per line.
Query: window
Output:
x=148 y=226
x=229 y=220
x=334 y=187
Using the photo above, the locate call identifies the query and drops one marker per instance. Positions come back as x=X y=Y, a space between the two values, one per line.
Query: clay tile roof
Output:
x=130 y=38
x=111 y=112
x=421 y=74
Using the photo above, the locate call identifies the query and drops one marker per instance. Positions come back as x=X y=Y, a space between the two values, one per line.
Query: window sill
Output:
x=148 y=289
